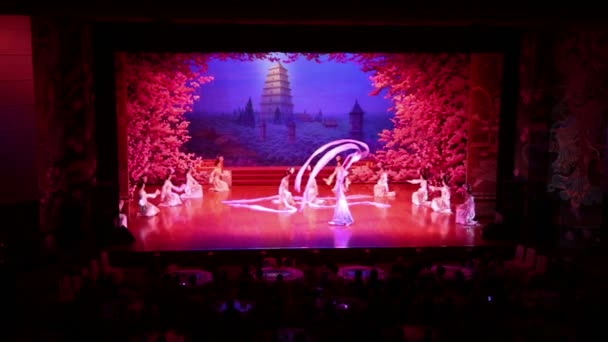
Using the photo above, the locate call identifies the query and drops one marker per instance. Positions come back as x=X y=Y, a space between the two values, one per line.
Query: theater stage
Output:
x=208 y=224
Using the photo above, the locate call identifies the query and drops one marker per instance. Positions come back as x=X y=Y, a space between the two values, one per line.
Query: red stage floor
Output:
x=208 y=224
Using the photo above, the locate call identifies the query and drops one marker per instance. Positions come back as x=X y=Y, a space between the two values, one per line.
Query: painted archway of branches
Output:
x=429 y=92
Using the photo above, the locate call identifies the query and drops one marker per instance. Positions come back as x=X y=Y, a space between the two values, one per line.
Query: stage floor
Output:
x=209 y=224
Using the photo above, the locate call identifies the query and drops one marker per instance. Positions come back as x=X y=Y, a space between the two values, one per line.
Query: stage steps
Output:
x=242 y=176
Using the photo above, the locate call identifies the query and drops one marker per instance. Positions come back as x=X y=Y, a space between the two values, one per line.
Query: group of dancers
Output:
x=288 y=203
x=171 y=195
x=311 y=195
x=465 y=212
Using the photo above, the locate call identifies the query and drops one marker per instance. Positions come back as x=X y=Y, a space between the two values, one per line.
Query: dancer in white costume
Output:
x=331 y=177
x=285 y=196
x=465 y=212
x=168 y=198
x=146 y=208
x=442 y=204
x=226 y=175
x=420 y=196
x=381 y=188
x=192 y=189
x=215 y=178
x=284 y=199
x=334 y=175
x=342 y=215
x=311 y=196
x=122 y=218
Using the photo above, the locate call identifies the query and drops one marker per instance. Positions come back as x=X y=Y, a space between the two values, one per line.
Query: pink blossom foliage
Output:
x=161 y=89
x=430 y=93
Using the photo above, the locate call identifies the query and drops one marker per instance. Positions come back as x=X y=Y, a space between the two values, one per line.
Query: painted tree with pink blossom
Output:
x=160 y=89
x=430 y=93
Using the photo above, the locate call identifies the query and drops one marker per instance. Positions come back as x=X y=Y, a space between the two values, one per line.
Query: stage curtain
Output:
x=63 y=76
x=484 y=112
x=561 y=128
x=120 y=62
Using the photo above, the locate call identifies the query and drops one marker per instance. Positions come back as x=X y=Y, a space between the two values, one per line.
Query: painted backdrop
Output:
x=266 y=113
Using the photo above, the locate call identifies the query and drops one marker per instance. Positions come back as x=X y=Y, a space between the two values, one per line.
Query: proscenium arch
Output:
x=109 y=38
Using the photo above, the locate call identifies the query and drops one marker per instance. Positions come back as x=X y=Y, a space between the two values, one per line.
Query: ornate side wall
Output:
x=63 y=67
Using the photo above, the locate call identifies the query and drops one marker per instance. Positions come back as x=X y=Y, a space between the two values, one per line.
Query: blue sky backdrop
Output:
x=331 y=87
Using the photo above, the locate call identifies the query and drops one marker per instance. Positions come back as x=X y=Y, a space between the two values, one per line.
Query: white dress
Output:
x=442 y=203
x=192 y=189
x=381 y=188
x=122 y=218
x=345 y=182
x=146 y=208
x=342 y=215
x=465 y=212
x=285 y=196
x=169 y=198
x=217 y=184
x=311 y=194
x=420 y=196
